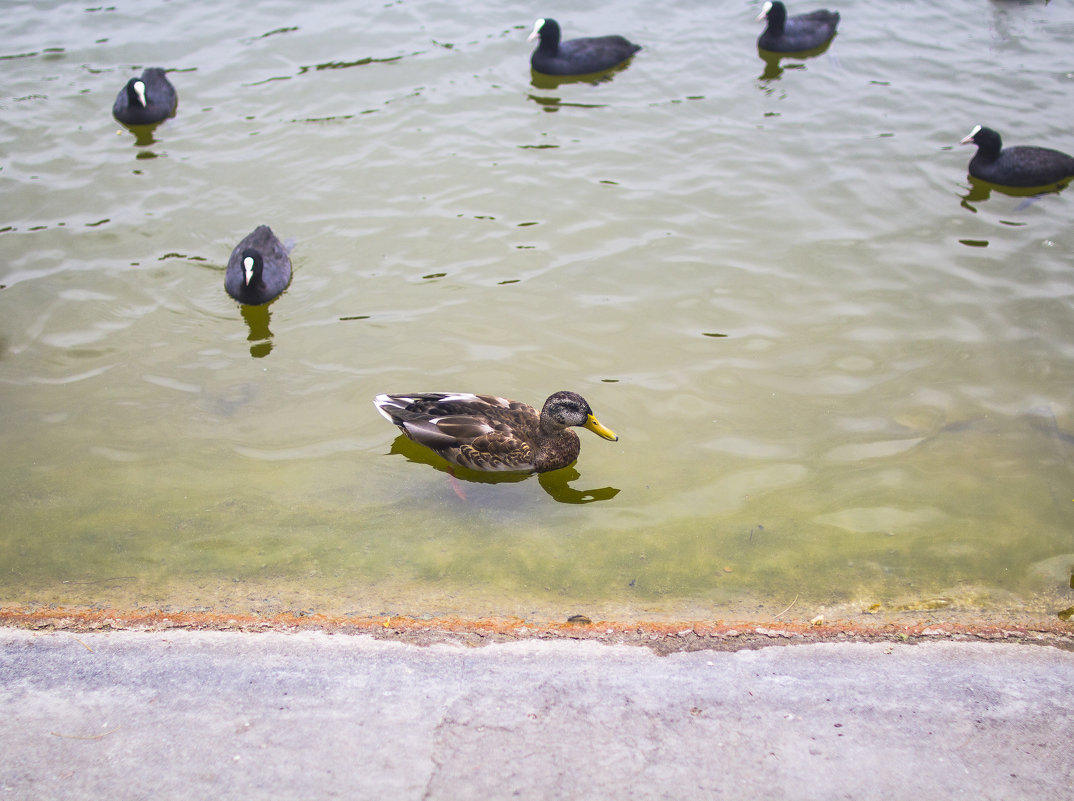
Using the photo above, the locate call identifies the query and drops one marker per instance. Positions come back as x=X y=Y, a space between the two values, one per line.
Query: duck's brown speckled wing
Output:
x=481 y=432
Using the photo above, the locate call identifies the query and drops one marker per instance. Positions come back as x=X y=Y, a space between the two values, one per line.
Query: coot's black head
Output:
x=548 y=31
x=776 y=14
x=252 y=266
x=988 y=141
x=136 y=92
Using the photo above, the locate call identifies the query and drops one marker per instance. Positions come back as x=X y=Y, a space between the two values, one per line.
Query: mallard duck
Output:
x=576 y=56
x=146 y=100
x=259 y=268
x=487 y=433
x=796 y=34
x=1023 y=165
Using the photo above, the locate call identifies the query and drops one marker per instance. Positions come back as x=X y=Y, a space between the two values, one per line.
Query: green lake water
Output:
x=841 y=374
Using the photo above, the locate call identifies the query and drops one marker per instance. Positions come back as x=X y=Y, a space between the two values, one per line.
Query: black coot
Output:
x=146 y=100
x=795 y=34
x=259 y=268
x=1016 y=166
x=576 y=56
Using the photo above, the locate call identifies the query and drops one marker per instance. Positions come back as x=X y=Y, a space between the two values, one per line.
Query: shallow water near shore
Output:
x=841 y=374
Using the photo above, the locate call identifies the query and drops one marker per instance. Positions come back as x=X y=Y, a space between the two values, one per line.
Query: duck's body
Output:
x=1024 y=165
x=259 y=268
x=797 y=34
x=146 y=100
x=577 y=56
x=492 y=434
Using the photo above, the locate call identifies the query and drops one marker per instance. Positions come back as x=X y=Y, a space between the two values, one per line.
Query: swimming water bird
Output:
x=576 y=56
x=795 y=34
x=487 y=433
x=146 y=100
x=1023 y=165
x=259 y=268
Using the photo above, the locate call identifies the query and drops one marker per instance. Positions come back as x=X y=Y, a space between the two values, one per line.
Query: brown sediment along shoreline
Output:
x=663 y=637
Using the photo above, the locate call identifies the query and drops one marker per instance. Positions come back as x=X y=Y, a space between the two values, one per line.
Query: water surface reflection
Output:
x=555 y=482
x=257 y=322
x=773 y=68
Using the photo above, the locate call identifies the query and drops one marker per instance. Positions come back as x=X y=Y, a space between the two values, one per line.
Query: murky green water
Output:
x=839 y=373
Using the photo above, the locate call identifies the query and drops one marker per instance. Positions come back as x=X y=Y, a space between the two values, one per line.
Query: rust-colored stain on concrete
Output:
x=663 y=637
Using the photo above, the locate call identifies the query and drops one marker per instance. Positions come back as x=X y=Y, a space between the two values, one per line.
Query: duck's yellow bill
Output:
x=593 y=424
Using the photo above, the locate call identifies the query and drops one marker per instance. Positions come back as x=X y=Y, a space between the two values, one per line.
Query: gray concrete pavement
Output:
x=182 y=714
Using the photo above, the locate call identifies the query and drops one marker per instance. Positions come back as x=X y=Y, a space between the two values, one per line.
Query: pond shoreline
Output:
x=662 y=637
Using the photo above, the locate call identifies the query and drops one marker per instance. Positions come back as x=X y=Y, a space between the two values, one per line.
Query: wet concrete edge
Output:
x=662 y=637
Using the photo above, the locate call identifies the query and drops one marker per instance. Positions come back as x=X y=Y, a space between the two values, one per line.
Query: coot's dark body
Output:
x=259 y=268
x=796 y=34
x=577 y=56
x=1023 y=165
x=146 y=100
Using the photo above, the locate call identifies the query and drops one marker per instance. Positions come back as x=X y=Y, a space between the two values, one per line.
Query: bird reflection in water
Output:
x=538 y=80
x=257 y=321
x=555 y=482
x=980 y=191
x=773 y=69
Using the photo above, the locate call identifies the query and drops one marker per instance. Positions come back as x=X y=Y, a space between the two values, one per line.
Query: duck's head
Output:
x=565 y=409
